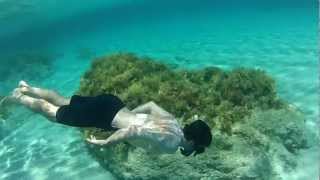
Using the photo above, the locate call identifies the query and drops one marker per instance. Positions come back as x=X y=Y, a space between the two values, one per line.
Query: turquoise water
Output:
x=279 y=37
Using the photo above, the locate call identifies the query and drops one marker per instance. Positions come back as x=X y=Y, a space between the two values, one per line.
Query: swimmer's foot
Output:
x=15 y=95
x=28 y=90
x=24 y=87
x=23 y=84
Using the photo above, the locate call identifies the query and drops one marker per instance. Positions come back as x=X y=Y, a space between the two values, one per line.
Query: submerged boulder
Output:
x=33 y=65
x=252 y=128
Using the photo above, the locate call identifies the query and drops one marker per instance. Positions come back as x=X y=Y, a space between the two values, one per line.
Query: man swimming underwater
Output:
x=147 y=126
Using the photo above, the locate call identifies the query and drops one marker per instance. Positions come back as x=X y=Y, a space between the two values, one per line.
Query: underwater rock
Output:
x=282 y=125
x=252 y=128
x=32 y=65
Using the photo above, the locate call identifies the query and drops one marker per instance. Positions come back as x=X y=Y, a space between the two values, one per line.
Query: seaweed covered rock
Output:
x=248 y=87
x=235 y=103
x=183 y=93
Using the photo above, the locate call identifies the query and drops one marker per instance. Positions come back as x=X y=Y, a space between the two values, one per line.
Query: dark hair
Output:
x=198 y=132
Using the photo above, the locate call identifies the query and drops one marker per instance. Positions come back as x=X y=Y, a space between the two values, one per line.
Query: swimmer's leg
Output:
x=37 y=105
x=48 y=95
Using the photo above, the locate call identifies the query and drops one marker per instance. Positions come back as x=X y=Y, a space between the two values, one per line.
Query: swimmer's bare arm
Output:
x=117 y=137
x=152 y=108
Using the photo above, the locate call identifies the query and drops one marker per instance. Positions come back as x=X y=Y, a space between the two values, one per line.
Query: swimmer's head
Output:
x=198 y=133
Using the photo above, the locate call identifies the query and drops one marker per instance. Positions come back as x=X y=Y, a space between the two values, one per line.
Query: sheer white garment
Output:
x=154 y=134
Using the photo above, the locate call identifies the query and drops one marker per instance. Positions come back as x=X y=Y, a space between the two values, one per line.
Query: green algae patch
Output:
x=234 y=103
x=215 y=95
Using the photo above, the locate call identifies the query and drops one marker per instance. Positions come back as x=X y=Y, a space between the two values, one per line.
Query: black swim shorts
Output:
x=97 y=111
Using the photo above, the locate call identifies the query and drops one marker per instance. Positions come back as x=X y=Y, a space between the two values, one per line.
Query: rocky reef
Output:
x=255 y=133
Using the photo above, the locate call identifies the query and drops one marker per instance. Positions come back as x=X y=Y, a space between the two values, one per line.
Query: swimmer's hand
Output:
x=117 y=137
x=93 y=140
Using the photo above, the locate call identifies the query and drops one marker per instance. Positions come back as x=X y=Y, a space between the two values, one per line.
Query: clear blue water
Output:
x=277 y=36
